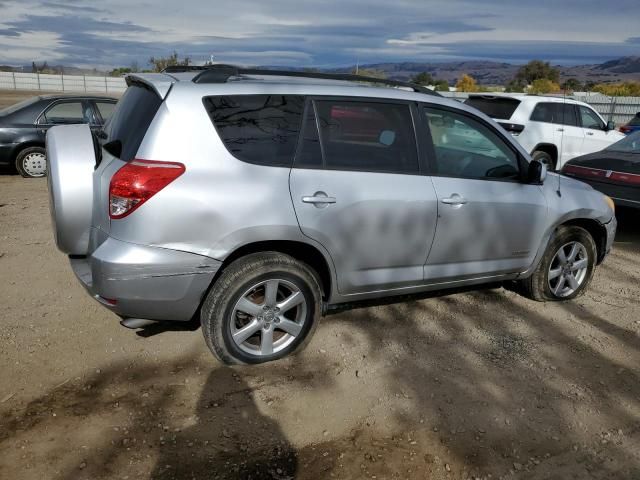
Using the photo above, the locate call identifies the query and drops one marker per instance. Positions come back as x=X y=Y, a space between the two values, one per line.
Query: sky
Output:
x=316 y=33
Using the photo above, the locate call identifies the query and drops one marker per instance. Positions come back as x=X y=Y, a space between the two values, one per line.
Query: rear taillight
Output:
x=137 y=182
x=586 y=172
x=625 y=129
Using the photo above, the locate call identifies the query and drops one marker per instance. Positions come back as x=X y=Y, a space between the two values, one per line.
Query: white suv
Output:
x=553 y=129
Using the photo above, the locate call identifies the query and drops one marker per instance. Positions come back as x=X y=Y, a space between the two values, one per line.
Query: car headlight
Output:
x=609 y=201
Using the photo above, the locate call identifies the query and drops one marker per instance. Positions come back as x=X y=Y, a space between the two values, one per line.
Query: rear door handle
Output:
x=454 y=199
x=561 y=129
x=319 y=199
x=589 y=133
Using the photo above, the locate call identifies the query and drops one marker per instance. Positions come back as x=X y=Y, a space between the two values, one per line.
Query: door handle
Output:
x=561 y=129
x=319 y=199
x=589 y=133
x=454 y=199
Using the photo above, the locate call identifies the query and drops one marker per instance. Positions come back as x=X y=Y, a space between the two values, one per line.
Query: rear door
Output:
x=358 y=188
x=489 y=222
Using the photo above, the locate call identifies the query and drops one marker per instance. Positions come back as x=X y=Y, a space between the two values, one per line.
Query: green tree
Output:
x=543 y=85
x=422 y=78
x=441 y=86
x=535 y=70
x=571 y=85
x=159 y=64
x=626 y=89
x=120 y=71
x=467 y=83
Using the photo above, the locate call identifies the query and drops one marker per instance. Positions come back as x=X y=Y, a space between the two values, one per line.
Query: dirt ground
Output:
x=483 y=384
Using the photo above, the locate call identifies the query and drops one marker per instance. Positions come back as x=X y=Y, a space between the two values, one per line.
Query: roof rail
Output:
x=220 y=73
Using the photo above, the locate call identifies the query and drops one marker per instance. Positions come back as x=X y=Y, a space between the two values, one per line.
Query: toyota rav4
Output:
x=256 y=200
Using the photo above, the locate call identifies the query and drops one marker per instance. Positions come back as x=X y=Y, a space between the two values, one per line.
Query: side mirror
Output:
x=611 y=125
x=537 y=172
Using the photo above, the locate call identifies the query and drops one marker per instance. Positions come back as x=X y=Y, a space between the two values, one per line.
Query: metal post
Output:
x=38 y=75
x=106 y=89
x=62 y=78
x=13 y=74
x=84 y=80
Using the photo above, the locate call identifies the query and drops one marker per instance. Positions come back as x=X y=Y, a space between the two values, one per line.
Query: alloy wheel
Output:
x=568 y=269
x=268 y=317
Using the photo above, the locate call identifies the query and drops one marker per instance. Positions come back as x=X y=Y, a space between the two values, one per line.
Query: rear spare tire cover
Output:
x=71 y=162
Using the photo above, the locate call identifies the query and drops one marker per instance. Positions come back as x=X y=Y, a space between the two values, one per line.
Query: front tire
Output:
x=32 y=162
x=566 y=268
x=263 y=307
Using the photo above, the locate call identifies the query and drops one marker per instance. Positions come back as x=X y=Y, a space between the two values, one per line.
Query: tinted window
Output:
x=259 y=129
x=629 y=144
x=105 y=109
x=366 y=136
x=590 y=119
x=635 y=121
x=464 y=147
x=130 y=121
x=560 y=113
x=494 y=107
x=67 y=113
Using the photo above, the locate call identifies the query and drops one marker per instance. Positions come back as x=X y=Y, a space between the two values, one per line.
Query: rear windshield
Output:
x=494 y=107
x=130 y=121
x=629 y=144
x=14 y=108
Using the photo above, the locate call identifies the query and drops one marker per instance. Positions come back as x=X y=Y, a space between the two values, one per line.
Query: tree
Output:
x=120 y=71
x=571 y=85
x=543 y=85
x=515 y=86
x=172 y=60
x=422 y=78
x=535 y=70
x=441 y=86
x=467 y=83
x=368 y=72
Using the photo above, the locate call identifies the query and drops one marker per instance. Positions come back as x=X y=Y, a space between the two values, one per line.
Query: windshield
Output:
x=14 y=108
x=629 y=144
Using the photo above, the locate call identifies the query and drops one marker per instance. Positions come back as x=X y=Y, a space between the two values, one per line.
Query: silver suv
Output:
x=256 y=200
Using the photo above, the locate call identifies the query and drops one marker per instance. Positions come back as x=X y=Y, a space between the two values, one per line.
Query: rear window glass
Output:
x=130 y=121
x=635 y=121
x=554 y=112
x=494 y=107
x=365 y=136
x=260 y=129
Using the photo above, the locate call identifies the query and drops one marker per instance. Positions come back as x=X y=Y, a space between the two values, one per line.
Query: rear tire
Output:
x=556 y=279
x=263 y=307
x=544 y=158
x=32 y=162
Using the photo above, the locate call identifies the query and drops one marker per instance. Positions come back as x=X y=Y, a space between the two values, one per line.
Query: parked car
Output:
x=252 y=201
x=24 y=125
x=632 y=126
x=614 y=171
x=552 y=129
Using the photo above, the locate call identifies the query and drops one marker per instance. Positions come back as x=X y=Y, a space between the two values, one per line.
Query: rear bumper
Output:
x=137 y=281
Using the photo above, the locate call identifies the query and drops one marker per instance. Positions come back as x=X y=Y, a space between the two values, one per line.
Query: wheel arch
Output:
x=597 y=231
x=304 y=252
x=23 y=146
x=549 y=148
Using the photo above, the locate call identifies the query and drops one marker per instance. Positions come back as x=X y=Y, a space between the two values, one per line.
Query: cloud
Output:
x=315 y=32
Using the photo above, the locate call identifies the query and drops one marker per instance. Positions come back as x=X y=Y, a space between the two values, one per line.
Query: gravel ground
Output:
x=482 y=384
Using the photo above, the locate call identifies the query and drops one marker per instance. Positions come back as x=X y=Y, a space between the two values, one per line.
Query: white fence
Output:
x=618 y=109
x=61 y=83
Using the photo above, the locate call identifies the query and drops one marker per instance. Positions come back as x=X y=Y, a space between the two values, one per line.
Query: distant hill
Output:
x=500 y=73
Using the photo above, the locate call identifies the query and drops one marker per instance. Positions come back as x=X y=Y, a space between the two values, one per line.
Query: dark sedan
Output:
x=23 y=127
x=614 y=171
